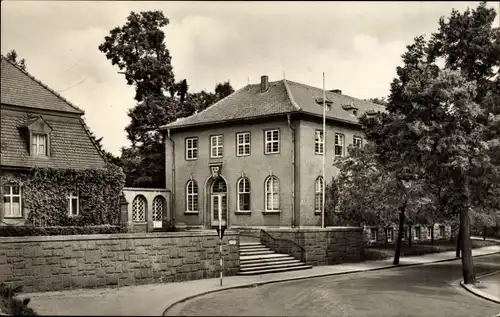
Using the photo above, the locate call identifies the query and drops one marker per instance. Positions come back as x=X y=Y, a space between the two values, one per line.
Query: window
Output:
x=192 y=196
x=73 y=204
x=390 y=234
x=441 y=231
x=272 y=141
x=272 y=194
x=244 y=194
x=357 y=141
x=417 y=233
x=139 y=205
x=429 y=232
x=318 y=194
x=191 y=148
x=243 y=143
x=39 y=144
x=339 y=145
x=373 y=234
x=12 y=201
x=158 y=207
x=216 y=145
x=319 y=142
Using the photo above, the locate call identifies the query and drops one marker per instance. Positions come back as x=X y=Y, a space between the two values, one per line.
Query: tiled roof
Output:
x=70 y=145
x=247 y=102
x=305 y=97
x=19 y=88
x=282 y=97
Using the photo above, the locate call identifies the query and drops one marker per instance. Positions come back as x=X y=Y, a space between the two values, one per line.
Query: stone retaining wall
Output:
x=50 y=263
x=323 y=246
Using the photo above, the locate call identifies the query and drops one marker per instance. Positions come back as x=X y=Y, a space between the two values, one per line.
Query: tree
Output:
x=367 y=190
x=380 y=101
x=12 y=57
x=138 y=49
x=447 y=114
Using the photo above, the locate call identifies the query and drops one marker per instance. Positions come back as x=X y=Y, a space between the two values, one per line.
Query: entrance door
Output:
x=219 y=204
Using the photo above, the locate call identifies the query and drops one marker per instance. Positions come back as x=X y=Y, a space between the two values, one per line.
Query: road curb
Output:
x=247 y=285
x=479 y=293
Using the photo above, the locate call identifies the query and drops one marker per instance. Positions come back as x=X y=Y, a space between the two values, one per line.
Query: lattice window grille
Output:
x=158 y=206
x=139 y=209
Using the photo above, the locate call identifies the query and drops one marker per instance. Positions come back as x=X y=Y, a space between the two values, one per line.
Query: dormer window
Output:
x=38 y=144
x=328 y=102
x=37 y=134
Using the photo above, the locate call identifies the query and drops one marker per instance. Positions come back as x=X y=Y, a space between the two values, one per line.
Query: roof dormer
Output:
x=350 y=107
x=37 y=133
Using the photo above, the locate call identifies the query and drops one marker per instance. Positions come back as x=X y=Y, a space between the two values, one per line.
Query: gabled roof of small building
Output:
x=19 y=88
x=282 y=97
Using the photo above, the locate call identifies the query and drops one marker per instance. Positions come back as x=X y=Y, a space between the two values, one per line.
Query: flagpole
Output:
x=324 y=153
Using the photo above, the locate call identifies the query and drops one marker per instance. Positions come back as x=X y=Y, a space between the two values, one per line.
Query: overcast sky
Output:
x=357 y=44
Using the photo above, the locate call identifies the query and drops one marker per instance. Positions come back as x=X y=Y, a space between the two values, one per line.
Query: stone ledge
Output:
x=123 y=236
x=313 y=229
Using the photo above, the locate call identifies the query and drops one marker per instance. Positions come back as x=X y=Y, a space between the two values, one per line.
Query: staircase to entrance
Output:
x=256 y=258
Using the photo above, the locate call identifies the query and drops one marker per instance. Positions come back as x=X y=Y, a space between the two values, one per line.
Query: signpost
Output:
x=220 y=246
x=220 y=233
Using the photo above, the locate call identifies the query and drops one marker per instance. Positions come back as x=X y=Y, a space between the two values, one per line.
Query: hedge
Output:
x=19 y=231
x=12 y=306
x=45 y=190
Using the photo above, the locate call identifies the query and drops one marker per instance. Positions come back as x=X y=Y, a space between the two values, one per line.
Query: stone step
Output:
x=275 y=270
x=244 y=244
x=253 y=247
x=254 y=250
x=271 y=266
x=277 y=258
x=245 y=265
x=263 y=256
x=264 y=252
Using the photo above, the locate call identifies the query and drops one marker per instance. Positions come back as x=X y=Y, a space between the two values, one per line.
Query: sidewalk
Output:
x=154 y=299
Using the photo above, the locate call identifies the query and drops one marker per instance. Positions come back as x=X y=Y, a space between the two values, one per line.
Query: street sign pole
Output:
x=220 y=241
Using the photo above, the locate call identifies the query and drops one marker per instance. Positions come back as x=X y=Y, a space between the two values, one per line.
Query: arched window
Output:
x=192 y=196
x=318 y=194
x=272 y=193
x=243 y=194
x=158 y=208
x=139 y=205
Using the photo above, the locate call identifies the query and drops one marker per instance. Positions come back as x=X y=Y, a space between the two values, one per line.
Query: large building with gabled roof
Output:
x=39 y=128
x=256 y=155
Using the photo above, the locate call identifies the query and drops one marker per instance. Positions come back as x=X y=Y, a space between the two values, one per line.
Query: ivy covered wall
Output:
x=45 y=195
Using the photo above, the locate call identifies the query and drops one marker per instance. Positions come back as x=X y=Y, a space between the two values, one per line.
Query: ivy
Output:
x=45 y=195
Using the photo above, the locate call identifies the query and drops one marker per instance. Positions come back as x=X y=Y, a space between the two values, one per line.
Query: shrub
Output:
x=45 y=193
x=12 y=306
x=18 y=231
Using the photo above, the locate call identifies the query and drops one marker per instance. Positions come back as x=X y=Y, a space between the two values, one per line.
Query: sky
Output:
x=358 y=46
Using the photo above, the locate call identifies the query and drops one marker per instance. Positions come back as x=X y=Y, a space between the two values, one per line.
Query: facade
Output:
x=39 y=128
x=256 y=155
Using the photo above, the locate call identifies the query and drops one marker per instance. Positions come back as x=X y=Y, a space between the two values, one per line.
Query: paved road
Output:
x=430 y=290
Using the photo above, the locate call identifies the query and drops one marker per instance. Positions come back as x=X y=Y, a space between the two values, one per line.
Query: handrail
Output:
x=274 y=246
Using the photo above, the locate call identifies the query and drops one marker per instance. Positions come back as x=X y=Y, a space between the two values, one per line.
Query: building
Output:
x=39 y=128
x=256 y=155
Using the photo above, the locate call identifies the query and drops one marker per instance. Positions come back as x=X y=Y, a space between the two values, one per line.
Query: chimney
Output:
x=337 y=91
x=264 y=83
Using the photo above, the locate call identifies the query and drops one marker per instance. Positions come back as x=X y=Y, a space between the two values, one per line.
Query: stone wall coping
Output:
x=141 y=189
x=123 y=236
x=313 y=229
